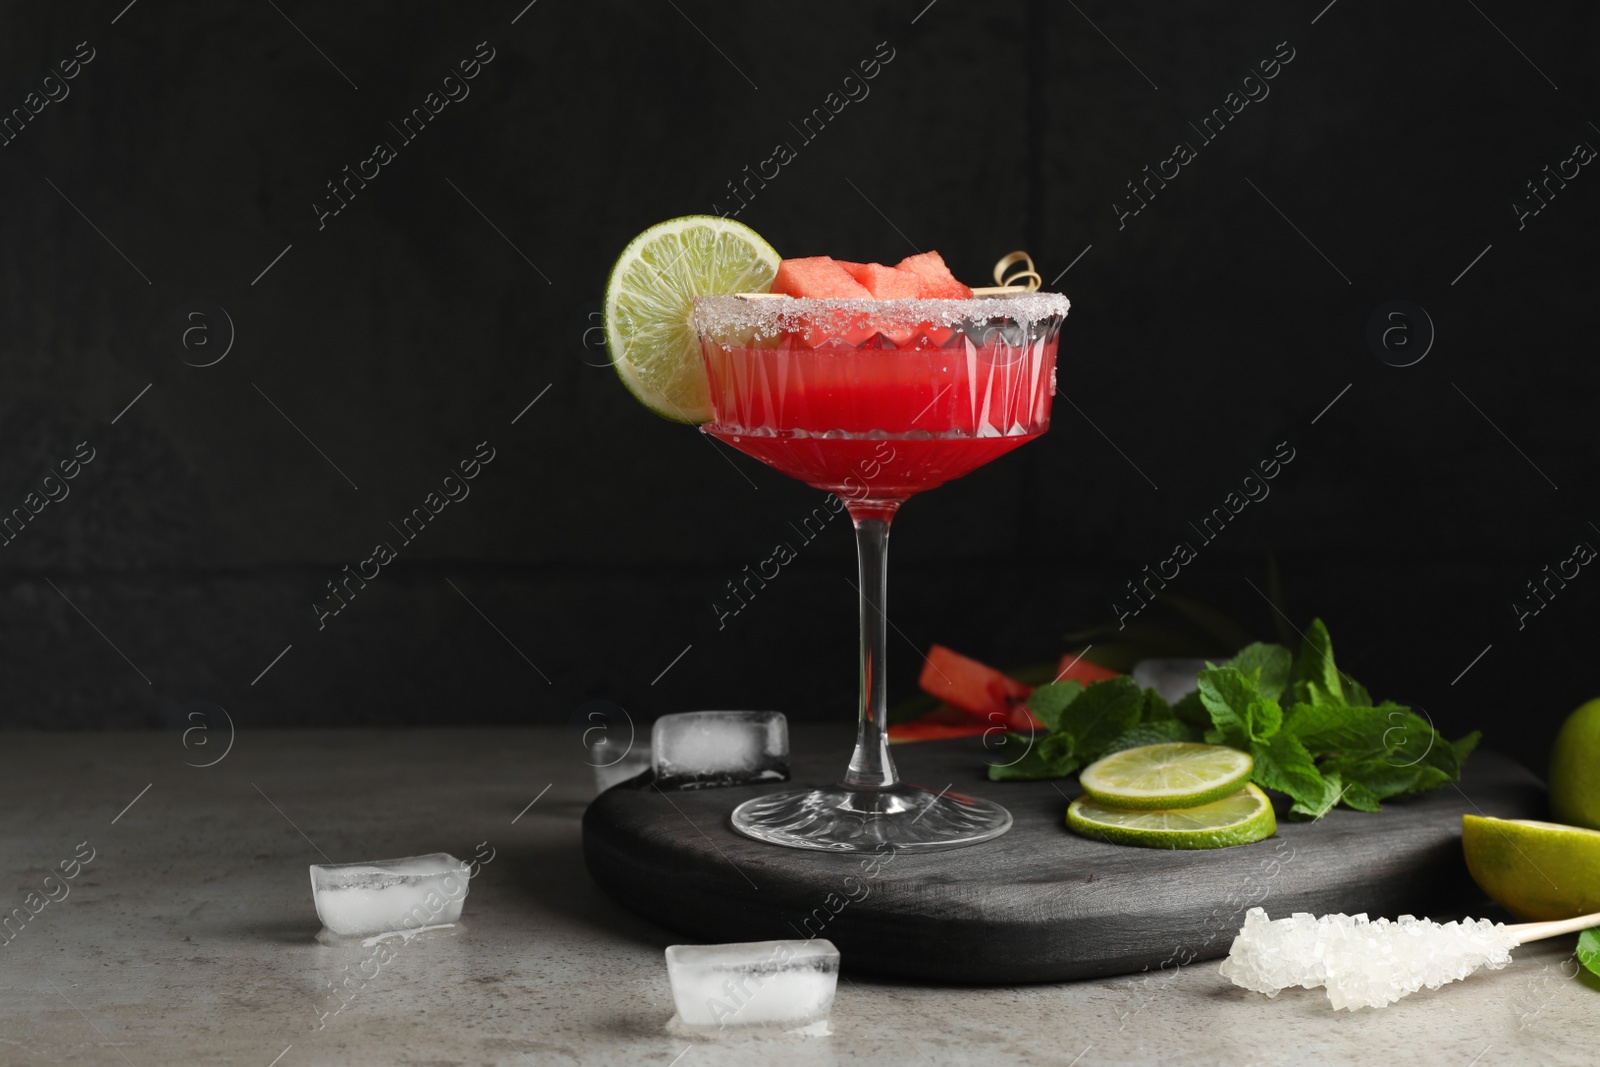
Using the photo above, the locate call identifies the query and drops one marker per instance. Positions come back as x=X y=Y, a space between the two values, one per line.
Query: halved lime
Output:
x=1238 y=819
x=1535 y=870
x=651 y=292
x=1175 y=774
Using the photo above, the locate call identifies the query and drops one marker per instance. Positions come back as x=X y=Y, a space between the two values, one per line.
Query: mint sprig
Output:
x=1313 y=732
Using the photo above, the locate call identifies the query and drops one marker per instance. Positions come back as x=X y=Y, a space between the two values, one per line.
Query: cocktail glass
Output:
x=875 y=401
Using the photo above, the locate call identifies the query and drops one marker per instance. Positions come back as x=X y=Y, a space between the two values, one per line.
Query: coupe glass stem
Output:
x=871 y=767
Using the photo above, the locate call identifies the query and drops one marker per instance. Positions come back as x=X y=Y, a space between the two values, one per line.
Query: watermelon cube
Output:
x=822 y=278
x=884 y=283
x=934 y=278
x=817 y=277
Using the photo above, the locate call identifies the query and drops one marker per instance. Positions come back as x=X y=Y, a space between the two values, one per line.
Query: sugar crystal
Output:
x=1360 y=962
x=772 y=316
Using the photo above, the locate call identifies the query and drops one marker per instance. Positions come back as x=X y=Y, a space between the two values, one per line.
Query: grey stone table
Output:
x=189 y=935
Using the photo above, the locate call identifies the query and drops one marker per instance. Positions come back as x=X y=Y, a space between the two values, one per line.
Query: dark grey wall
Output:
x=454 y=289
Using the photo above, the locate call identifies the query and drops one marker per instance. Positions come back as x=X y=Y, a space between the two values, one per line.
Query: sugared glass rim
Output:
x=768 y=315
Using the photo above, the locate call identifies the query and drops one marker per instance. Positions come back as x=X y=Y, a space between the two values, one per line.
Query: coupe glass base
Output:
x=841 y=818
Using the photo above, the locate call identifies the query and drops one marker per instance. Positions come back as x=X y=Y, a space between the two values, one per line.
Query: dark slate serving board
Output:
x=1039 y=903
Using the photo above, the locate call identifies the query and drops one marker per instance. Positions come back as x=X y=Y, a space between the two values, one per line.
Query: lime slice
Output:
x=651 y=292
x=1535 y=870
x=1177 y=774
x=1239 y=819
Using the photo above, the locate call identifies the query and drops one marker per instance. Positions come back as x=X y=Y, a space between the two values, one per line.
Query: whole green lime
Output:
x=1575 y=769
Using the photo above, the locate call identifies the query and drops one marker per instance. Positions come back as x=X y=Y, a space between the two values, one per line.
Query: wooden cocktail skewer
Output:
x=1026 y=280
x=1526 y=932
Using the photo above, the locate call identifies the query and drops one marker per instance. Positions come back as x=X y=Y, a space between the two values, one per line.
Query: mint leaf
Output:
x=1331 y=728
x=1410 y=739
x=1152 y=733
x=1282 y=763
x=1402 y=753
x=1156 y=708
x=1226 y=695
x=1192 y=711
x=1360 y=798
x=1332 y=793
x=1048 y=701
x=1266 y=719
x=1239 y=714
x=1103 y=712
x=1049 y=756
x=1589 y=949
x=1057 y=748
x=1371 y=778
x=1271 y=664
x=1315 y=679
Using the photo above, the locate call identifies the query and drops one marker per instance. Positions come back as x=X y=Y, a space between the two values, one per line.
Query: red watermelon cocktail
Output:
x=876 y=383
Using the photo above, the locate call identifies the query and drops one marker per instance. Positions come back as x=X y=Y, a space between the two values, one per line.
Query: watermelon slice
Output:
x=934 y=278
x=884 y=283
x=818 y=277
x=976 y=688
x=984 y=696
x=925 y=730
x=967 y=684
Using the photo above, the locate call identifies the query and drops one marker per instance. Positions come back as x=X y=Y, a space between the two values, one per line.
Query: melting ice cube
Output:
x=389 y=896
x=1174 y=679
x=787 y=984
x=611 y=768
x=696 y=749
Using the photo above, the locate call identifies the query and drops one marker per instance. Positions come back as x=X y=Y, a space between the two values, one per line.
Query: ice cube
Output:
x=1174 y=679
x=610 y=768
x=389 y=896
x=695 y=749
x=784 y=984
